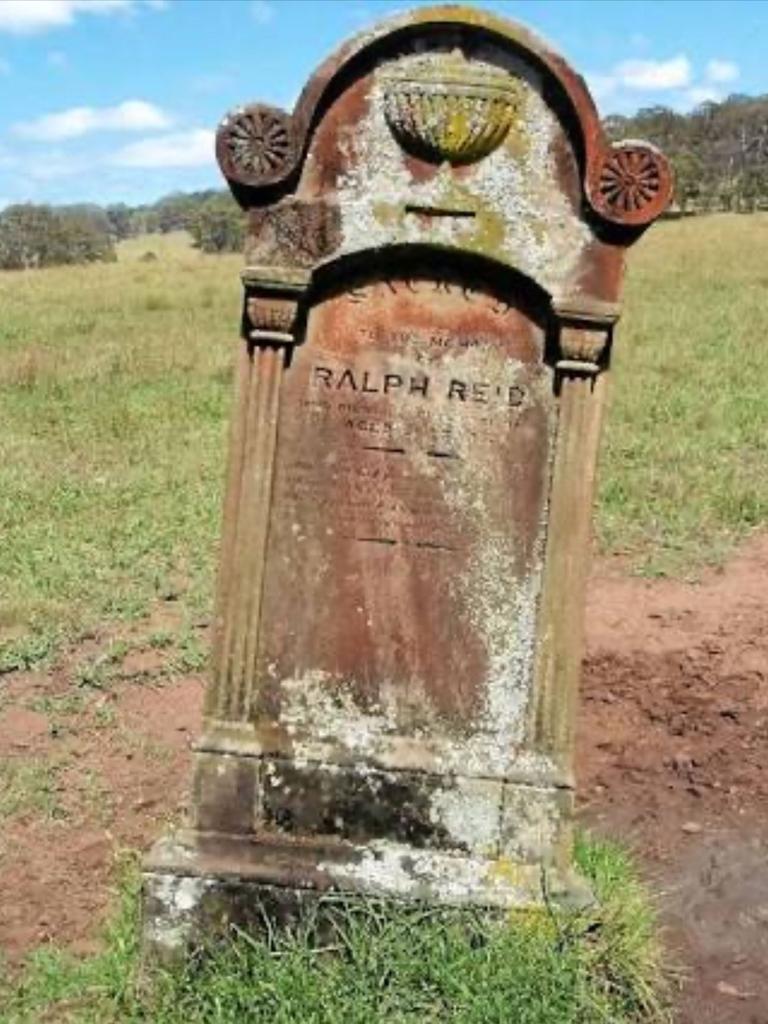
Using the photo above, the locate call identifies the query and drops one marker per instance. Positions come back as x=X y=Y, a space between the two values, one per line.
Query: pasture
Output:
x=116 y=384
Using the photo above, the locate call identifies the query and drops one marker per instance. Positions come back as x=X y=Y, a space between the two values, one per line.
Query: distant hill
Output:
x=719 y=150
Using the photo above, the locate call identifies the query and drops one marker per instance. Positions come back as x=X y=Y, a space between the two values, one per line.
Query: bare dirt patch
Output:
x=94 y=773
x=673 y=758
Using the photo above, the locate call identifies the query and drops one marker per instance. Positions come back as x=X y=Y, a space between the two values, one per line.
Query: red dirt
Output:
x=673 y=758
x=120 y=767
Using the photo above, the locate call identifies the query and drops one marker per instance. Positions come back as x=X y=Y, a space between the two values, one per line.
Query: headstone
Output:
x=435 y=246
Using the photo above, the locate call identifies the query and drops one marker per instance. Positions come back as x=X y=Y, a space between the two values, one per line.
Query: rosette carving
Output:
x=446 y=108
x=256 y=145
x=630 y=184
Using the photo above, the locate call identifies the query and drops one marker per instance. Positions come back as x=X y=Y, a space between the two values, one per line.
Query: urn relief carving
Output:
x=450 y=109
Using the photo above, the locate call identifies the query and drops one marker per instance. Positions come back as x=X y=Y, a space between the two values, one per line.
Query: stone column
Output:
x=585 y=330
x=227 y=769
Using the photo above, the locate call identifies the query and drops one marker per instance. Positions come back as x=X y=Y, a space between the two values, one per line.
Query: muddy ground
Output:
x=673 y=759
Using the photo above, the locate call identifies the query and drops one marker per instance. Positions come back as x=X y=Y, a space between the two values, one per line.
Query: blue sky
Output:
x=116 y=100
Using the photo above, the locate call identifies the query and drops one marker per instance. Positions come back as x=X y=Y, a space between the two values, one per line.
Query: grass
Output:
x=115 y=390
x=383 y=963
x=685 y=455
x=28 y=787
x=114 y=419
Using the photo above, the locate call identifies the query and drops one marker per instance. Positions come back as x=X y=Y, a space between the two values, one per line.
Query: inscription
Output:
x=368 y=381
x=432 y=285
x=410 y=385
x=372 y=382
x=379 y=498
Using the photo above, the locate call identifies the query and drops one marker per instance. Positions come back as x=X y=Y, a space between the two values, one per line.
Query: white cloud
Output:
x=57 y=59
x=702 y=94
x=193 y=148
x=262 y=11
x=25 y=17
x=619 y=86
x=721 y=71
x=130 y=116
x=674 y=73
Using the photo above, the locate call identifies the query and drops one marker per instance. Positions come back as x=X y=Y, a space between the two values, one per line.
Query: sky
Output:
x=117 y=100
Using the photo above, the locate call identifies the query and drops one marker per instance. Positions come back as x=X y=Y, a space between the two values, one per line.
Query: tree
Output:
x=38 y=236
x=177 y=211
x=689 y=177
x=121 y=221
x=752 y=189
x=719 y=150
x=218 y=225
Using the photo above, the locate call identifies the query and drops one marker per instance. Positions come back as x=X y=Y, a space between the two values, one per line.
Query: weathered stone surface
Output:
x=226 y=793
x=435 y=251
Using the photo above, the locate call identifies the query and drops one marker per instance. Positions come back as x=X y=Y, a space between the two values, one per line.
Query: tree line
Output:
x=719 y=151
x=34 y=235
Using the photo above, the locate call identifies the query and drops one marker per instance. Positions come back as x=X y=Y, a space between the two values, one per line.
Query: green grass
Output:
x=684 y=473
x=383 y=964
x=115 y=390
x=28 y=786
x=114 y=385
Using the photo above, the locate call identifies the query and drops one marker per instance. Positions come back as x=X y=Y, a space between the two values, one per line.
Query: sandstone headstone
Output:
x=435 y=246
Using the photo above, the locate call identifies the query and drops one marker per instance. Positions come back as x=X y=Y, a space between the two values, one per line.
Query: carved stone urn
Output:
x=445 y=108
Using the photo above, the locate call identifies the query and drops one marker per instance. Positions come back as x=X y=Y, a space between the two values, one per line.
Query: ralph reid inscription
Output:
x=435 y=247
x=401 y=413
x=366 y=383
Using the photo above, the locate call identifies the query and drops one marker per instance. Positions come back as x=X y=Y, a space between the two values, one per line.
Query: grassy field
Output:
x=684 y=473
x=115 y=384
x=115 y=389
x=410 y=965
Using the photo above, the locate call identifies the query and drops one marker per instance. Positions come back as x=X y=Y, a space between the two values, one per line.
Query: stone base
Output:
x=196 y=885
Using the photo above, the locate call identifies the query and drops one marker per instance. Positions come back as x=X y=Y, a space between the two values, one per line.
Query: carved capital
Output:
x=585 y=330
x=630 y=183
x=273 y=305
x=256 y=145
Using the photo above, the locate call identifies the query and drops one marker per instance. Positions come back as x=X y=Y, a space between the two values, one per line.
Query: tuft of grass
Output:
x=191 y=655
x=382 y=963
x=30 y=650
x=28 y=787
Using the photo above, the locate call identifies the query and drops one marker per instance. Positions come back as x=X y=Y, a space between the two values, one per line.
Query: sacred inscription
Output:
x=414 y=446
